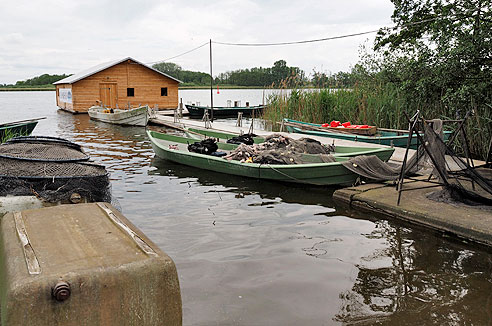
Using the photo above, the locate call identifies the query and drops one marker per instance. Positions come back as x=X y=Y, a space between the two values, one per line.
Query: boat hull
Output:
x=175 y=150
x=133 y=117
x=223 y=112
x=16 y=129
x=382 y=138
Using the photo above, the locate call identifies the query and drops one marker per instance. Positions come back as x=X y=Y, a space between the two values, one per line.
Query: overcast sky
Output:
x=60 y=36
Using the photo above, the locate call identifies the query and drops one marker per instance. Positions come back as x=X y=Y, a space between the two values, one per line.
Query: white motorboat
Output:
x=132 y=117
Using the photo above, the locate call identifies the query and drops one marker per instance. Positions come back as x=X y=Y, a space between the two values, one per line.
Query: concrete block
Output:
x=83 y=264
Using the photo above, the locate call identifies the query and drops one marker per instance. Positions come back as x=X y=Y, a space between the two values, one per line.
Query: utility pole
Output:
x=211 y=86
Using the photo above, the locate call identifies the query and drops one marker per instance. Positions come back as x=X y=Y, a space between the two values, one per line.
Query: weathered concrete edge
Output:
x=348 y=196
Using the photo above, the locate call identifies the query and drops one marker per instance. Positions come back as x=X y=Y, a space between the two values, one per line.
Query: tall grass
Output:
x=382 y=105
x=6 y=134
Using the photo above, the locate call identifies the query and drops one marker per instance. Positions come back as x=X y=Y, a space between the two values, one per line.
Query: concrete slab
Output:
x=462 y=221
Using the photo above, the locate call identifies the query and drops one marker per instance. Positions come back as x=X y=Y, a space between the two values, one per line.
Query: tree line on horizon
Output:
x=38 y=81
x=279 y=75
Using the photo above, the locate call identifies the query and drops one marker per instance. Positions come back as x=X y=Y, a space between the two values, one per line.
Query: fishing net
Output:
x=33 y=169
x=465 y=185
x=44 y=140
x=50 y=169
x=55 y=152
x=373 y=168
x=278 y=149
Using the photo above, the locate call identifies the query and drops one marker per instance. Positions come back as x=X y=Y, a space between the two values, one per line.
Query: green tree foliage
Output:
x=44 y=79
x=194 y=78
x=279 y=74
x=339 y=80
x=440 y=59
x=441 y=47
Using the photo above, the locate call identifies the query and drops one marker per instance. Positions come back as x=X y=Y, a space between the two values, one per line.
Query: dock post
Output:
x=239 y=122
x=180 y=110
x=206 y=118
x=176 y=116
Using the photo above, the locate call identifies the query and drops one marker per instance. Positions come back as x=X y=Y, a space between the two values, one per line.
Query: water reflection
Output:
x=288 y=193
x=123 y=150
x=425 y=280
x=403 y=275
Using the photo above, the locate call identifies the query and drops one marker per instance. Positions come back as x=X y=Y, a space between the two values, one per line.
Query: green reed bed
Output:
x=380 y=108
x=380 y=105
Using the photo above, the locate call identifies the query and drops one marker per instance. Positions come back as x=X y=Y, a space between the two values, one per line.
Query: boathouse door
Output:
x=108 y=94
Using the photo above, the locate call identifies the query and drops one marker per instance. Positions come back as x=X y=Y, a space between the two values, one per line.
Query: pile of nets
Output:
x=52 y=169
x=467 y=184
x=278 y=149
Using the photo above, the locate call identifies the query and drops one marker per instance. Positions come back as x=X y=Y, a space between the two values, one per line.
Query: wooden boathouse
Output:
x=117 y=84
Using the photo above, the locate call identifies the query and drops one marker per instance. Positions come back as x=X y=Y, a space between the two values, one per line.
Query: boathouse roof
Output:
x=93 y=70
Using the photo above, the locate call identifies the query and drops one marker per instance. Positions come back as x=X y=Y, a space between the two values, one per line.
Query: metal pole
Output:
x=211 y=86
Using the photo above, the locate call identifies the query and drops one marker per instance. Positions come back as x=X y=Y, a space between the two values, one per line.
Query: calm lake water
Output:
x=252 y=252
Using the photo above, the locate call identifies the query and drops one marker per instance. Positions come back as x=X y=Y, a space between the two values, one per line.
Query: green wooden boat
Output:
x=174 y=148
x=384 y=153
x=223 y=111
x=14 y=129
x=220 y=134
x=388 y=137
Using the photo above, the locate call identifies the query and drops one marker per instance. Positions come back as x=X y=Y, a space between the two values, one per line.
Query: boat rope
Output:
x=291 y=177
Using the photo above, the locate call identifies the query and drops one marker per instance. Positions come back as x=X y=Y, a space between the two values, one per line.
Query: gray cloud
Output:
x=55 y=36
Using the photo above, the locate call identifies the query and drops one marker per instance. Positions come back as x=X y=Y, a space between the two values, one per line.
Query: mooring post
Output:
x=239 y=122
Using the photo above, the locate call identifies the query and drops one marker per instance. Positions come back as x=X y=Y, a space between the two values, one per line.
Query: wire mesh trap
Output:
x=52 y=169
x=49 y=152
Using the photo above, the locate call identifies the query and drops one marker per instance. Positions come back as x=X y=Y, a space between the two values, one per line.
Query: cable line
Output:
x=296 y=42
x=333 y=37
x=179 y=55
x=309 y=41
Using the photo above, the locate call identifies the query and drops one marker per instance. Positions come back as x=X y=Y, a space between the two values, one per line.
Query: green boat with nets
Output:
x=383 y=153
x=389 y=137
x=315 y=172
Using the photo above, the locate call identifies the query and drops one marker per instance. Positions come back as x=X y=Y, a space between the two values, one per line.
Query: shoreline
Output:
x=27 y=89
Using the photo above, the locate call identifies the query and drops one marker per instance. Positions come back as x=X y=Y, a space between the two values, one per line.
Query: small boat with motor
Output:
x=197 y=111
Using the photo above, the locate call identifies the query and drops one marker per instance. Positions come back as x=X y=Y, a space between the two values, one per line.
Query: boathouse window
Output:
x=164 y=91
x=130 y=92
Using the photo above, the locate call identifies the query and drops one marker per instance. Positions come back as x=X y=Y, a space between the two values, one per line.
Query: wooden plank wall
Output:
x=146 y=83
